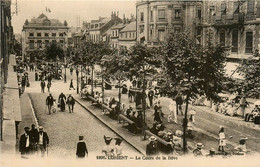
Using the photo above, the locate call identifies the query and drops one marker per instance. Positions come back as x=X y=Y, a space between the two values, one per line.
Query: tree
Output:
x=250 y=69
x=194 y=70
x=143 y=63
x=53 y=51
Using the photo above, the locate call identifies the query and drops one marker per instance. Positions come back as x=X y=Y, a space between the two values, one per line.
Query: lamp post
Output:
x=65 y=67
x=77 y=73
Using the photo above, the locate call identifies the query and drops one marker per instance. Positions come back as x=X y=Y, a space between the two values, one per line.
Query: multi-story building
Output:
x=41 y=31
x=127 y=36
x=235 y=23
x=156 y=19
x=97 y=28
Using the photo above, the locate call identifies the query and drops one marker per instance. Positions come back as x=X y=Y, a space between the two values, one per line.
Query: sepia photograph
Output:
x=130 y=83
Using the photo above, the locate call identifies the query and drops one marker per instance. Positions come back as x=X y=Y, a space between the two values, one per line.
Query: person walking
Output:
x=49 y=102
x=49 y=86
x=172 y=112
x=150 y=97
x=222 y=139
x=71 y=84
x=33 y=134
x=158 y=113
x=71 y=71
x=42 y=86
x=82 y=150
x=36 y=75
x=71 y=103
x=62 y=101
x=118 y=148
x=179 y=103
x=152 y=147
x=23 y=83
x=42 y=142
x=25 y=142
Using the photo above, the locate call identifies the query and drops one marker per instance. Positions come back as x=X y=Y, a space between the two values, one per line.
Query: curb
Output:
x=33 y=112
x=138 y=150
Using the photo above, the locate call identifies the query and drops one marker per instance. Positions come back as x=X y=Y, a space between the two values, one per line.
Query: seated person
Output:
x=254 y=113
x=112 y=102
x=133 y=117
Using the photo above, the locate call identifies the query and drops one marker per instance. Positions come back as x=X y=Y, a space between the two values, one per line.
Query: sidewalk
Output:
x=11 y=110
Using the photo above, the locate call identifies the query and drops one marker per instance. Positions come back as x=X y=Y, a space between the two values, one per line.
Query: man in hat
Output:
x=152 y=147
x=42 y=85
x=179 y=103
x=118 y=147
x=128 y=112
x=71 y=103
x=42 y=141
x=49 y=102
x=82 y=150
x=25 y=142
x=150 y=96
x=197 y=151
x=34 y=134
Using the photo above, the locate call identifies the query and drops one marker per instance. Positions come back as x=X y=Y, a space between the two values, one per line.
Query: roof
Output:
x=118 y=26
x=129 y=27
x=43 y=20
x=105 y=20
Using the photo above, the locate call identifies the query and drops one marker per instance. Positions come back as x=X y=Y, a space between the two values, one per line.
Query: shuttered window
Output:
x=161 y=14
x=250 y=6
x=249 y=42
x=234 y=40
x=222 y=37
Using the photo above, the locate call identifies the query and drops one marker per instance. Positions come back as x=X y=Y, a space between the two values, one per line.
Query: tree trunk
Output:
x=92 y=79
x=185 y=122
x=103 y=90
x=143 y=104
x=119 y=93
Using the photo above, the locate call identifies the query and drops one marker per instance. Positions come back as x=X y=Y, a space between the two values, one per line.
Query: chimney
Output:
x=124 y=21
x=112 y=13
x=117 y=14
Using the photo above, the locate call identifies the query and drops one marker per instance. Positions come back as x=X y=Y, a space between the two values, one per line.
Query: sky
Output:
x=69 y=10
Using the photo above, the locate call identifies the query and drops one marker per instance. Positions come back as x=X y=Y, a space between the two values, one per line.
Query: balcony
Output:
x=229 y=20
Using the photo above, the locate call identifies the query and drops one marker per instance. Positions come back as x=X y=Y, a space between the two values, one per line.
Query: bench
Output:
x=167 y=146
x=132 y=125
x=125 y=119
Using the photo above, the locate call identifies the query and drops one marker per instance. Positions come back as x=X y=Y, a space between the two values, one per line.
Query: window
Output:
x=249 y=42
x=96 y=25
x=177 y=13
x=46 y=34
x=141 y=29
x=39 y=34
x=199 y=12
x=250 y=6
x=39 y=44
x=211 y=10
x=177 y=29
x=47 y=42
x=31 y=34
x=31 y=44
x=199 y=32
x=161 y=14
x=161 y=35
x=53 y=34
x=142 y=16
x=130 y=34
x=126 y=34
x=92 y=26
x=54 y=41
x=151 y=15
x=61 y=34
x=121 y=35
x=113 y=33
x=222 y=37
x=116 y=32
x=234 y=41
x=223 y=8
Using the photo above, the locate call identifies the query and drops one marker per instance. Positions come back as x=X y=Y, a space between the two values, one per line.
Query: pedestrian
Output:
x=36 y=75
x=243 y=104
x=222 y=139
x=49 y=102
x=71 y=84
x=172 y=112
x=107 y=149
x=33 y=134
x=71 y=71
x=158 y=114
x=25 y=142
x=49 y=86
x=179 y=103
x=150 y=97
x=42 y=86
x=197 y=152
x=42 y=142
x=71 y=103
x=23 y=83
x=152 y=147
x=62 y=102
x=192 y=116
x=118 y=148
x=82 y=150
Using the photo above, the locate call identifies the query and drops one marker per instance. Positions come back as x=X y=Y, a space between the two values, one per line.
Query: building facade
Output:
x=234 y=24
x=42 y=31
x=156 y=19
x=127 y=36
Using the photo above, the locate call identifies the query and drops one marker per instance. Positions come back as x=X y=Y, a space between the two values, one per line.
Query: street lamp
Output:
x=65 y=66
x=77 y=73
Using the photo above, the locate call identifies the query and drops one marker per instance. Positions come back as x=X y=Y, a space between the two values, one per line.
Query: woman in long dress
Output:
x=222 y=139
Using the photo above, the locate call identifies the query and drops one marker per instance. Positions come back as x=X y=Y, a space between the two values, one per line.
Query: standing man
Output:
x=71 y=103
x=71 y=84
x=42 y=141
x=49 y=102
x=42 y=86
x=81 y=148
x=25 y=142
x=150 y=96
x=179 y=103
x=23 y=83
x=152 y=147
x=49 y=86
x=34 y=134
